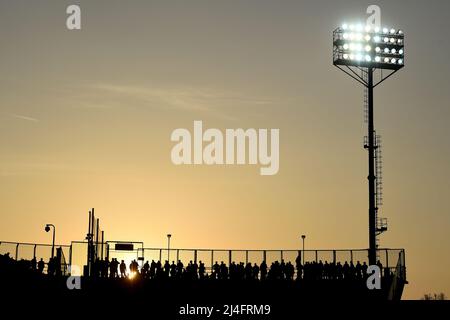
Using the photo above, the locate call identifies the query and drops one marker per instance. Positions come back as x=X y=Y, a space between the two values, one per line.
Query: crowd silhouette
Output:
x=53 y=267
x=286 y=271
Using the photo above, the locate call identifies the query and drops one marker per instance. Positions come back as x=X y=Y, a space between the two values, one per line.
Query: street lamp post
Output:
x=47 y=229
x=303 y=251
x=168 y=247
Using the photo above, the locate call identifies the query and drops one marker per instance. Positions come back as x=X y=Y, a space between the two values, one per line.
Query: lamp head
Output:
x=47 y=228
x=375 y=48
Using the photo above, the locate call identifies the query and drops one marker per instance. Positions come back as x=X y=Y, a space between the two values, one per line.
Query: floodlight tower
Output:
x=364 y=53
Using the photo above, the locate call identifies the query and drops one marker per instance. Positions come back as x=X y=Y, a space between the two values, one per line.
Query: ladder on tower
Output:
x=378 y=172
x=381 y=223
x=365 y=76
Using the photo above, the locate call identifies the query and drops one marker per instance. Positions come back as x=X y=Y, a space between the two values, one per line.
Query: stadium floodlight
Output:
x=392 y=45
x=363 y=53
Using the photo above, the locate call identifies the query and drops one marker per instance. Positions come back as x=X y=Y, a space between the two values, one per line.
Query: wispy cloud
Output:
x=22 y=117
x=183 y=98
x=180 y=98
x=20 y=168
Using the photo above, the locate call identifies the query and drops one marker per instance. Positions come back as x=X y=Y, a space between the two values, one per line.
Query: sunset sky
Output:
x=86 y=118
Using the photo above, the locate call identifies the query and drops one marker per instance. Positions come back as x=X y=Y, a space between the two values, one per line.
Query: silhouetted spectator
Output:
x=223 y=273
x=166 y=268
x=364 y=270
x=201 y=270
x=180 y=268
x=173 y=270
x=51 y=267
x=289 y=270
x=216 y=269
x=346 y=270
x=33 y=263
x=380 y=266
x=358 y=269
x=263 y=270
x=113 y=268
x=255 y=271
x=123 y=269
x=352 y=270
x=41 y=266
x=152 y=272
x=145 y=269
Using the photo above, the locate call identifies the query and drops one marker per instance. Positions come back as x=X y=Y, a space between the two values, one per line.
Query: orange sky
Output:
x=86 y=118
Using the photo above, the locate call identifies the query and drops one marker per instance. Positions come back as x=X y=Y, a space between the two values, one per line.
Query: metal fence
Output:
x=389 y=258
x=76 y=254
x=28 y=251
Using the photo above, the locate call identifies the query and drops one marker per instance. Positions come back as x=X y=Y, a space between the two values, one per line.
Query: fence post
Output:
x=246 y=256
x=17 y=251
x=160 y=255
x=195 y=256
x=403 y=263
x=334 y=256
x=34 y=251
x=316 y=256
x=265 y=255
x=103 y=239
x=387 y=259
x=70 y=258
x=229 y=258
x=212 y=259
x=178 y=255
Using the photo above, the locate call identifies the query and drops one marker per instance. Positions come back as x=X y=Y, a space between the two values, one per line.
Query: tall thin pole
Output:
x=371 y=178
x=47 y=229
x=91 y=242
x=168 y=247
x=53 y=242
x=96 y=239
x=88 y=238
x=103 y=239
x=303 y=251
